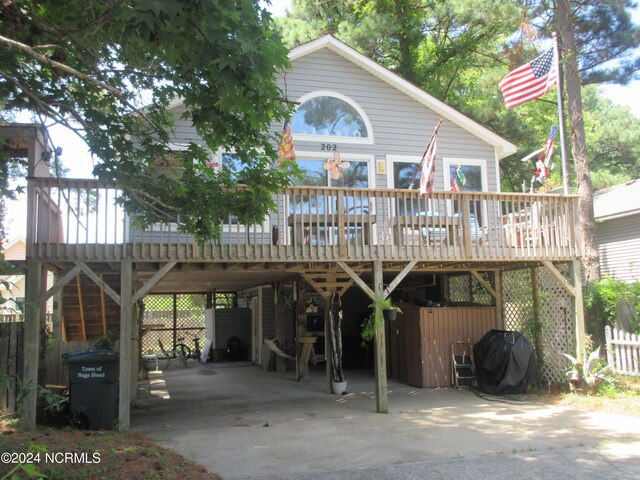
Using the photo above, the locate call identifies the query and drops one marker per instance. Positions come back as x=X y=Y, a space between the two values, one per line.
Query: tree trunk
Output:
x=590 y=258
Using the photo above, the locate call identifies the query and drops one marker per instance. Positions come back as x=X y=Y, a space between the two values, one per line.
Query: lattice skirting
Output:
x=535 y=304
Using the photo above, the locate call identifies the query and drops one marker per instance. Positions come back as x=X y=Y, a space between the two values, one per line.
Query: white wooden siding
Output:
x=619 y=248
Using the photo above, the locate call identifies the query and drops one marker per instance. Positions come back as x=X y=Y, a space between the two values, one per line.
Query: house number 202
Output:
x=329 y=147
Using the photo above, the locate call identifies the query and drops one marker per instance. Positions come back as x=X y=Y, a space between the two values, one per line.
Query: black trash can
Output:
x=93 y=388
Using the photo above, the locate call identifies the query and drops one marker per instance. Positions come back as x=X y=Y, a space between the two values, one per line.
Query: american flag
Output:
x=428 y=174
x=529 y=81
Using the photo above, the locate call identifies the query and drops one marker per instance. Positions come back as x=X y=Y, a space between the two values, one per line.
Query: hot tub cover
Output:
x=505 y=362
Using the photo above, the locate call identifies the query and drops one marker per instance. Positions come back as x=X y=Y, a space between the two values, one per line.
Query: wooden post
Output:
x=382 y=401
x=498 y=286
x=278 y=297
x=535 y=292
x=126 y=286
x=466 y=227
x=33 y=305
x=135 y=351
x=301 y=331
x=578 y=307
x=57 y=312
x=328 y=354
x=33 y=309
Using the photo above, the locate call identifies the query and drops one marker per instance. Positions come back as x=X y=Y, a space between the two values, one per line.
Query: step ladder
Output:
x=462 y=366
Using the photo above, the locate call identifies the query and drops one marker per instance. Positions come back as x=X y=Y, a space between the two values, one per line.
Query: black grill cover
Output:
x=505 y=362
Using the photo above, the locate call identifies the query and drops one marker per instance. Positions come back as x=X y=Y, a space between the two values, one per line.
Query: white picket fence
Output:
x=623 y=351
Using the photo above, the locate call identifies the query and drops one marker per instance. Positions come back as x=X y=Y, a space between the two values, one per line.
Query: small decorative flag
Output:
x=428 y=174
x=459 y=180
x=335 y=166
x=529 y=81
x=544 y=165
x=286 y=149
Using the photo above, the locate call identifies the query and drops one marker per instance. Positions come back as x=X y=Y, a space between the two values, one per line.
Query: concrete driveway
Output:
x=241 y=422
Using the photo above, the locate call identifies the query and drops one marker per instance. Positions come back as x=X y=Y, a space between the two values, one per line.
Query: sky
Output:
x=76 y=158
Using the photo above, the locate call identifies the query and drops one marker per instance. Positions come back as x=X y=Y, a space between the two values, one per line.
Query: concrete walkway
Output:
x=241 y=422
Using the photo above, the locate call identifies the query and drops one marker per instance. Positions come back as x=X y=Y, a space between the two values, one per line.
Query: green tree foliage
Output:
x=613 y=136
x=110 y=69
x=603 y=298
x=606 y=37
x=440 y=46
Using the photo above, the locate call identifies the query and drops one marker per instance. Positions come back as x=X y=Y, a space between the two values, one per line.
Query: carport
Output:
x=240 y=422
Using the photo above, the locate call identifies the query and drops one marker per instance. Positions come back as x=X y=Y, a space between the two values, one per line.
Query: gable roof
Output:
x=617 y=201
x=14 y=249
x=502 y=146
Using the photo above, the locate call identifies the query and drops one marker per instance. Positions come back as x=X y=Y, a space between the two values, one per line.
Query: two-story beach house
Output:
x=459 y=260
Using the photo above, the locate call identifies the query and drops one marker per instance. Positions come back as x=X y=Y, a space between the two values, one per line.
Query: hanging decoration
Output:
x=286 y=149
x=543 y=165
x=459 y=179
x=335 y=166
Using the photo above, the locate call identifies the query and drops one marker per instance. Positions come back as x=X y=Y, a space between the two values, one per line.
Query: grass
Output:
x=122 y=455
x=620 y=395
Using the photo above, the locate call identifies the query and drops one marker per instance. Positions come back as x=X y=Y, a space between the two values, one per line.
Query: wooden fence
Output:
x=11 y=363
x=11 y=335
x=623 y=351
x=57 y=373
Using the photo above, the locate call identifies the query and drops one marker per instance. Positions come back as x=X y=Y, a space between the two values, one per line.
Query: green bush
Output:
x=601 y=301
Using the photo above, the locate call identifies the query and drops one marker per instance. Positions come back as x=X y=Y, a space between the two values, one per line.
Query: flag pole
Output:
x=415 y=174
x=563 y=150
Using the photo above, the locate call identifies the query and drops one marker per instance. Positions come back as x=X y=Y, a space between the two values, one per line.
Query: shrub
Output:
x=601 y=301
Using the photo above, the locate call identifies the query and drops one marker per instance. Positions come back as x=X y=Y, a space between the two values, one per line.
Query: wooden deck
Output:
x=79 y=220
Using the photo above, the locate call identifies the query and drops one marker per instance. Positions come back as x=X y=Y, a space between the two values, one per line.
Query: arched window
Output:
x=330 y=115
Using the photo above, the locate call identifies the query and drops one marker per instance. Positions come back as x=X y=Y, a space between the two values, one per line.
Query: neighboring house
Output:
x=363 y=235
x=12 y=287
x=617 y=214
x=14 y=250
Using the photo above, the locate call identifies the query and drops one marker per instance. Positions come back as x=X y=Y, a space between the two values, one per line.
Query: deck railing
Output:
x=82 y=218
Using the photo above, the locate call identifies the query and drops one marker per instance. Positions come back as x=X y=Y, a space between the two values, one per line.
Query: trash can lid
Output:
x=91 y=356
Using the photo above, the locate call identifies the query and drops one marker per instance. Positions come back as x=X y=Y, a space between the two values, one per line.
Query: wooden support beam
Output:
x=64 y=330
x=278 y=296
x=328 y=364
x=498 y=280
x=559 y=277
x=98 y=281
x=60 y=283
x=31 y=351
x=103 y=310
x=57 y=327
x=382 y=400
x=83 y=325
x=396 y=281
x=356 y=278
x=126 y=320
x=318 y=287
x=480 y=279
x=159 y=275
x=535 y=294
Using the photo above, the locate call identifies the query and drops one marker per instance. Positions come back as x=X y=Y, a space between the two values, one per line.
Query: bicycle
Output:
x=183 y=351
